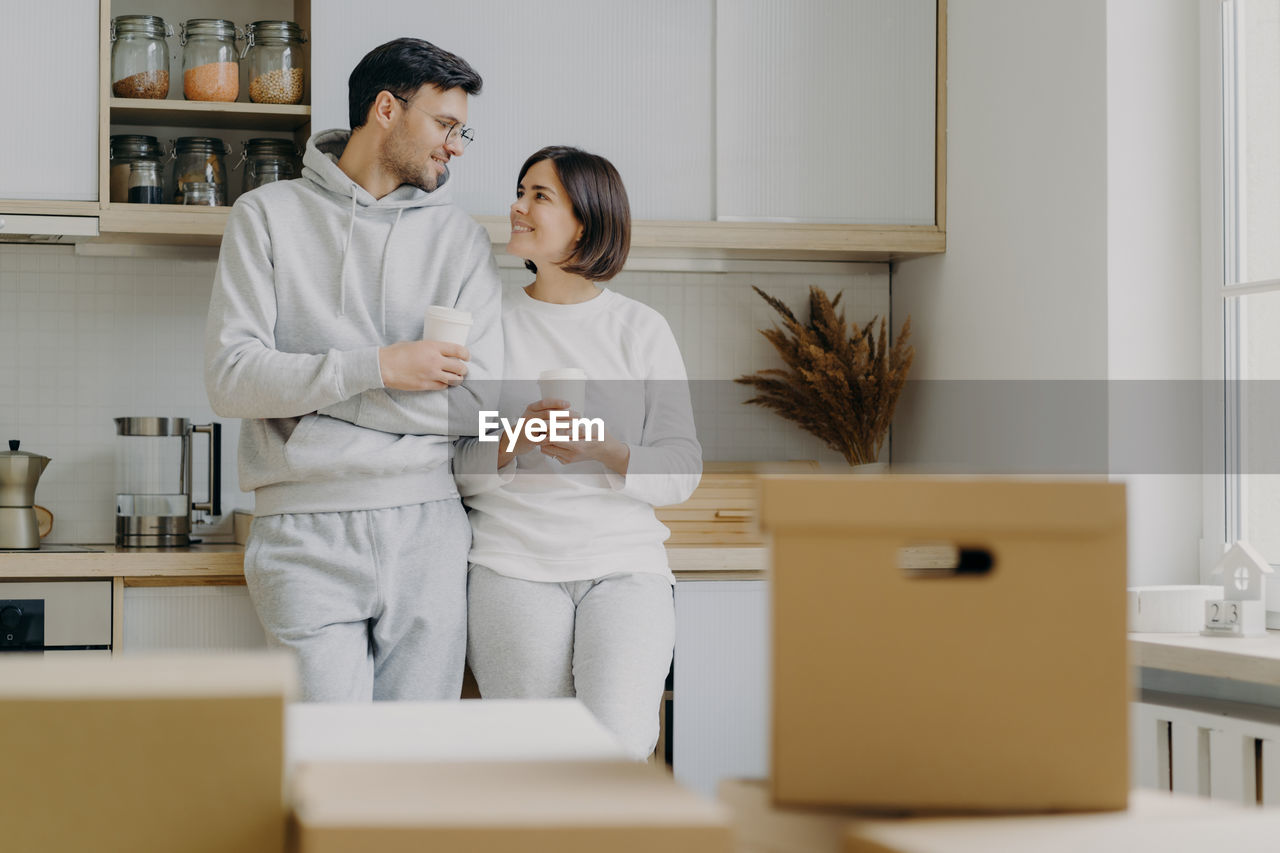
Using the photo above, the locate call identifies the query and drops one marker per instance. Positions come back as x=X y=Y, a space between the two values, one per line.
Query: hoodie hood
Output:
x=320 y=166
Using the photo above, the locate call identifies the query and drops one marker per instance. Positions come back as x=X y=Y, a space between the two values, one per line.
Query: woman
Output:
x=569 y=592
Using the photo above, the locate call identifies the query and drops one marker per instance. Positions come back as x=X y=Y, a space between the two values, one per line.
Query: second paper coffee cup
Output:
x=565 y=383
x=451 y=325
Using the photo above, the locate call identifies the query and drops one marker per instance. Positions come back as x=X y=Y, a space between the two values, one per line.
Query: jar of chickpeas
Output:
x=210 y=65
x=273 y=53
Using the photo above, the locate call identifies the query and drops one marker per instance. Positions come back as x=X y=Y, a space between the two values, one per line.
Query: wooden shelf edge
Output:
x=175 y=225
x=37 y=207
x=245 y=108
x=812 y=241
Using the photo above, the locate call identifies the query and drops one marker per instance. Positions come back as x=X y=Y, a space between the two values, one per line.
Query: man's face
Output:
x=425 y=136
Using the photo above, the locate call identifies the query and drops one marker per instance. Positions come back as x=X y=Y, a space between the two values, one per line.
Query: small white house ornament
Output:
x=1242 y=610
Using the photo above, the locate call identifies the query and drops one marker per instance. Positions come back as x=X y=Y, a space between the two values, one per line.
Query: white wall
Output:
x=1072 y=240
x=1153 y=269
x=1018 y=304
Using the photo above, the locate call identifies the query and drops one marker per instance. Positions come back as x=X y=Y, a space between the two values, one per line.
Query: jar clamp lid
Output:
x=273 y=32
x=266 y=146
x=152 y=26
x=217 y=27
x=199 y=144
x=133 y=146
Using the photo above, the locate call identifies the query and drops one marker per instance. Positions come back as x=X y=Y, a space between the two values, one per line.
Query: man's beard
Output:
x=397 y=158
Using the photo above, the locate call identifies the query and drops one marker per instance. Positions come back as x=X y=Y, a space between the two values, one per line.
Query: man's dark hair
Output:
x=401 y=67
x=599 y=202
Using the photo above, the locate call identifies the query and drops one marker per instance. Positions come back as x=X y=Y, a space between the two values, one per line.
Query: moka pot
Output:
x=19 y=473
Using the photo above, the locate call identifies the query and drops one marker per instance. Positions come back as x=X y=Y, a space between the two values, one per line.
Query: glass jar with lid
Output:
x=210 y=62
x=139 y=56
x=124 y=150
x=144 y=182
x=198 y=159
x=200 y=192
x=266 y=160
x=273 y=51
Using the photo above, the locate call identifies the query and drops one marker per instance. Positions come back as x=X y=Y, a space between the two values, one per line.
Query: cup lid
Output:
x=456 y=315
x=562 y=373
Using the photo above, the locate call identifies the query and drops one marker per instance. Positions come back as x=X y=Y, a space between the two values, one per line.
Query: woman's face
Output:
x=543 y=227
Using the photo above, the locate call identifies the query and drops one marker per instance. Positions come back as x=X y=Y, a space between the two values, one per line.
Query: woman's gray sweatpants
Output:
x=372 y=602
x=607 y=641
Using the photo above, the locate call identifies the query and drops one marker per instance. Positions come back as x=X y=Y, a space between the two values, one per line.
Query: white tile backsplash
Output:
x=86 y=339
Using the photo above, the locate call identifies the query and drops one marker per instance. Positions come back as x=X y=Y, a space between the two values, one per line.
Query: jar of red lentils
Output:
x=139 y=57
x=210 y=66
x=273 y=52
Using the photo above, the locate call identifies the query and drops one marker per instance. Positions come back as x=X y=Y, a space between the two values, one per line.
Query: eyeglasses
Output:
x=454 y=130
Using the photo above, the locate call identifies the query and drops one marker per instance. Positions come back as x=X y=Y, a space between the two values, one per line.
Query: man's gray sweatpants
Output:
x=607 y=641
x=373 y=602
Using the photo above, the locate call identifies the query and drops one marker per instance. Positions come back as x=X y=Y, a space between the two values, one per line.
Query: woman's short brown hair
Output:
x=599 y=202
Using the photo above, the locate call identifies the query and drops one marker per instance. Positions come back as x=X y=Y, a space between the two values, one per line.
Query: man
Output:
x=357 y=557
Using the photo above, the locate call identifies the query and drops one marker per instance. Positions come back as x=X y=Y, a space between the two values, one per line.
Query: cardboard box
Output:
x=1155 y=821
x=923 y=688
x=144 y=754
x=501 y=807
x=761 y=827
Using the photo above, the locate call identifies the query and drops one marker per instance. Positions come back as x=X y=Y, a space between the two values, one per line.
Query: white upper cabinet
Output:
x=825 y=110
x=49 y=134
x=630 y=81
x=818 y=111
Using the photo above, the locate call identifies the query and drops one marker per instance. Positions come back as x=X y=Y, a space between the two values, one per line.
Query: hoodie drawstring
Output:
x=382 y=284
x=346 y=252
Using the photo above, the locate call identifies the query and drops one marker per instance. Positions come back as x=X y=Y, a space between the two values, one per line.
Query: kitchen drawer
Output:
x=77 y=613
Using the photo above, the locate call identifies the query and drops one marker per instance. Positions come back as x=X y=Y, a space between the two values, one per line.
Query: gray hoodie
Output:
x=313 y=277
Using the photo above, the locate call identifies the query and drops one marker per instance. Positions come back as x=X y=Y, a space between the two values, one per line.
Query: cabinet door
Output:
x=825 y=110
x=49 y=67
x=721 y=692
x=190 y=618
x=630 y=81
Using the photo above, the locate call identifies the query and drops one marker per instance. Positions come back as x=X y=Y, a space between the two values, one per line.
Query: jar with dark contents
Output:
x=266 y=160
x=198 y=159
x=144 y=183
x=139 y=57
x=273 y=52
x=210 y=65
x=124 y=150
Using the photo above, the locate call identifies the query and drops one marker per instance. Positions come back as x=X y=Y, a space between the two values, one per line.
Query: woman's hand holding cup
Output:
x=535 y=412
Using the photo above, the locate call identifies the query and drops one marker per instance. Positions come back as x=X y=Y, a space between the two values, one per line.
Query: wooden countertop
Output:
x=689 y=562
x=1252 y=660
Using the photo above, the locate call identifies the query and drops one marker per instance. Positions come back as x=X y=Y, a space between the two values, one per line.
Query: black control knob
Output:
x=10 y=618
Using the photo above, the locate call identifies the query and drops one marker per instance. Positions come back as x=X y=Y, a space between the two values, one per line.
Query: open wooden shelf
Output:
x=174 y=113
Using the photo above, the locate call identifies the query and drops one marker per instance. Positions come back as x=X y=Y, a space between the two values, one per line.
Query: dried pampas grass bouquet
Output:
x=840 y=385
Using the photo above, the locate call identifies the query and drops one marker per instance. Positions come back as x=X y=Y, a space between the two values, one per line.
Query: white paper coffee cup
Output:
x=565 y=383
x=446 y=324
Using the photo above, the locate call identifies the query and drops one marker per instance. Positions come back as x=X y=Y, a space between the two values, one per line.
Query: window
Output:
x=1249 y=294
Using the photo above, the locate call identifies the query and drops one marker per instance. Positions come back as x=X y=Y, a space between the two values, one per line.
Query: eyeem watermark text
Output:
x=559 y=426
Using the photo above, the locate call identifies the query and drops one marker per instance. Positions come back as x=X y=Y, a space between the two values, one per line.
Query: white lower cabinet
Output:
x=190 y=618
x=720 y=726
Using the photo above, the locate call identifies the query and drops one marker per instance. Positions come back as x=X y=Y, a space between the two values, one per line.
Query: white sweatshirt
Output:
x=537 y=519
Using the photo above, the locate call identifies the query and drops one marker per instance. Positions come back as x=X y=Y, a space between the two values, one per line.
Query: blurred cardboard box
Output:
x=948 y=644
x=146 y=754
x=501 y=807
x=761 y=827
